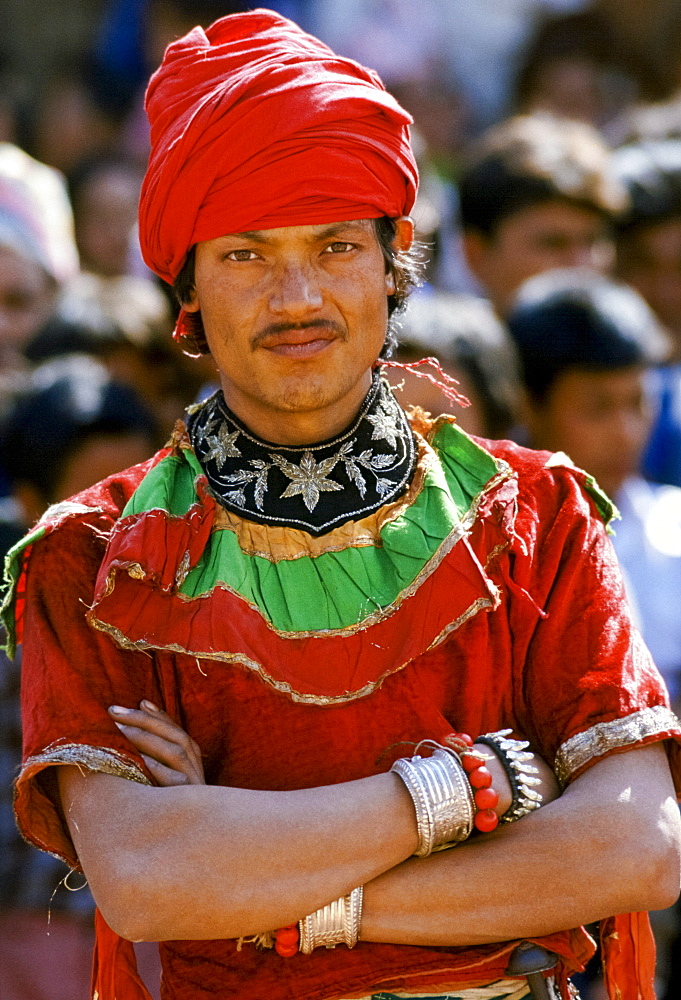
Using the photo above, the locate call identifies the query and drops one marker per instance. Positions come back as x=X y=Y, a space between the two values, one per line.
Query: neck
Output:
x=292 y=427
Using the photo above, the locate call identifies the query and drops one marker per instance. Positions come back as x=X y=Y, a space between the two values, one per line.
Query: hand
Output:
x=171 y=755
x=548 y=787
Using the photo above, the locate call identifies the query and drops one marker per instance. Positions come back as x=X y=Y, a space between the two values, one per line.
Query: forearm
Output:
x=211 y=862
x=594 y=852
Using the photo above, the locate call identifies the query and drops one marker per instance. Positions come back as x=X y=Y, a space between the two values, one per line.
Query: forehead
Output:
x=575 y=385
x=284 y=235
x=18 y=271
x=556 y=214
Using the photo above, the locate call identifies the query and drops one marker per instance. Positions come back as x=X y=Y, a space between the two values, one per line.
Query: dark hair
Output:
x=93 y=166
x=574 y=319
x=531 y=159
x=651 y=173
x=204 y=12
x=586 y=35
x=67 y=401
x=95 y=334
x=465 y=331
x=405 y=268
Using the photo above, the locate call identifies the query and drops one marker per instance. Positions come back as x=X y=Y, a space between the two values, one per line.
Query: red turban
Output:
x=255 y=124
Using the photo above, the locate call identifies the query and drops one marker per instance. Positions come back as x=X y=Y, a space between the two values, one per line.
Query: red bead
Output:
x=470 y=763
x=486 y=820
x=480 y=777
x=465 y=738
x=486 y=798
x=285 y=950
x=287 y=935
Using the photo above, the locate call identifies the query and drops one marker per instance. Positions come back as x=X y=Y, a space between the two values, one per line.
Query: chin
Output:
x=312 y=391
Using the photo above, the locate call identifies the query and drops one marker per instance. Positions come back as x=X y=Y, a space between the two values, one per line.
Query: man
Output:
x=38 y=254
x=308 y=587
x=537 y=193
x=649 y=258
x=587 y=345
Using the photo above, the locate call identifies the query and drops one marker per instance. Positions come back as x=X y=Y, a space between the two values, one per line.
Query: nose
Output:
x=297 y=291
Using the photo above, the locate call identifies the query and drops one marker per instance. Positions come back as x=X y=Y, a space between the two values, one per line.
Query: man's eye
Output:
x=339 y=247
x=242 y=255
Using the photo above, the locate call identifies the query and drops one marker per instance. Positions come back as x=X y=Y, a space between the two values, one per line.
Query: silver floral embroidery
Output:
x=245 y=476
x=309 y=478
x=359 y=473
x=384 y=423
x=372 y=463
x=222 y=446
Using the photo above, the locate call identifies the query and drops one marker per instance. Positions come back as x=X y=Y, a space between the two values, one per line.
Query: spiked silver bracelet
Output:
x=516 y=760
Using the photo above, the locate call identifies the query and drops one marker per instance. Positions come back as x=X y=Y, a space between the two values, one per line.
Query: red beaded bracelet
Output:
x=286 y=940
x=480 y=779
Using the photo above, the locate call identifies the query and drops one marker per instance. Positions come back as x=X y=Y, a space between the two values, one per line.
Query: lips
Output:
x=297 y=342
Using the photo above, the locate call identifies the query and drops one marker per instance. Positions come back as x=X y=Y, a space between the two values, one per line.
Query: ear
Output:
x=404 y=233
x=192 y=304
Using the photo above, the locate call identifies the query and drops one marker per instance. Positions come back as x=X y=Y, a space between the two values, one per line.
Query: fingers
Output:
x=165 y=776
x=176 y=756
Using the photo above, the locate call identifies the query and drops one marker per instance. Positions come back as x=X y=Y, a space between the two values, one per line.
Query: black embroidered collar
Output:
x=314 y=488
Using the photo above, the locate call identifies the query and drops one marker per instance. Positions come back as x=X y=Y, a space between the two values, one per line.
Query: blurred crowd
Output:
x=549 y=141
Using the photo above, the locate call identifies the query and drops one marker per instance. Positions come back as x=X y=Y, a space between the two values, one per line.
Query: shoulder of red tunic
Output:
x=537 y=468
x=99 y=505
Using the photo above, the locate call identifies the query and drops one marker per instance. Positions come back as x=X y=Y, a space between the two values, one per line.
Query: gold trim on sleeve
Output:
x=93 y=758
x=603 y=737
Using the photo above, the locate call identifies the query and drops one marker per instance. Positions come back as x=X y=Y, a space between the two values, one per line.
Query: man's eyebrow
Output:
x=341 y=227
x=334 y=229
x=257 y=235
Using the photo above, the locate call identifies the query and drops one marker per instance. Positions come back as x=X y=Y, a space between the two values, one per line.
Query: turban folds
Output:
x=256 y=124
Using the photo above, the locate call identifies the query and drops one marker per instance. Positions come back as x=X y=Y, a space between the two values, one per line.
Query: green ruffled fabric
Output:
x=336 y=589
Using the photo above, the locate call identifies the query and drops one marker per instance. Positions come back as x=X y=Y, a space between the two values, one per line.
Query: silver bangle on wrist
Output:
x=442 y=798
x=336 y=923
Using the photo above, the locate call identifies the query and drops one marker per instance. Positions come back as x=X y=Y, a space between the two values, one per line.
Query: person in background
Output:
x=126 y=322
x=37 y=250
x=587 y=346
x=649 y=258
x=537 y=193
x=473 y=346
x=572 y=68
x=104 y=193
x=71 y=425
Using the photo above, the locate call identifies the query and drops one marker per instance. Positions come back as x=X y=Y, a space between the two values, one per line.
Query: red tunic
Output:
x=553 y=656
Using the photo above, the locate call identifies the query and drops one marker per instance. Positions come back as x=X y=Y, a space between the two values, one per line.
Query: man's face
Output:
x=536 y=239
x=27 y=298
x=650 y=260
x=295 y=317
x=600 y=419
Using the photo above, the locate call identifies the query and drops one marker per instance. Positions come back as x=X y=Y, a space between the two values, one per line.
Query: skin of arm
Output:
x=194 y=862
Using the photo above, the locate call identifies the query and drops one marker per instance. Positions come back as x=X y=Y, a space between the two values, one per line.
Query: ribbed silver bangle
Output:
x=338 y=922
x=442 y=797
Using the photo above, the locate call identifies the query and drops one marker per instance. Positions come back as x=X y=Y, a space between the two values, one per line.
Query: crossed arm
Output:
x=190 y=861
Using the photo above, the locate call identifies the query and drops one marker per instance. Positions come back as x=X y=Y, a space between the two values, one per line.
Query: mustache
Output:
x=274 y=329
